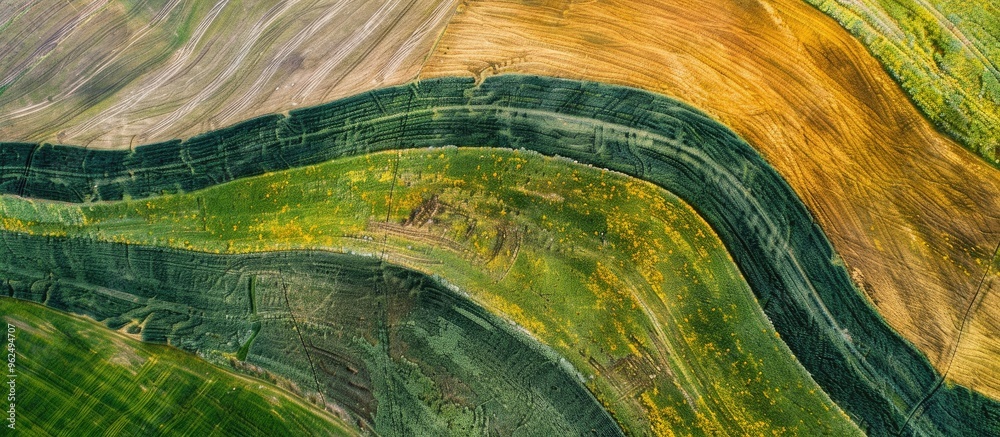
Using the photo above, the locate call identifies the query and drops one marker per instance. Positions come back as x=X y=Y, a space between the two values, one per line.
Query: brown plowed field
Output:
x=115 y=74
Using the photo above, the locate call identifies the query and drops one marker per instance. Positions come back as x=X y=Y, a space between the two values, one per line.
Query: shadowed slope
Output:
x=914 y=215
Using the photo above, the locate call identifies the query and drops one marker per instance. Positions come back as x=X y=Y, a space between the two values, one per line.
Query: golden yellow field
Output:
x=912 y=213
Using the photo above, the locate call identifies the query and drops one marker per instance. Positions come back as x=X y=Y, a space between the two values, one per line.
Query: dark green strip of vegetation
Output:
x=868 y=369
x=403 y=354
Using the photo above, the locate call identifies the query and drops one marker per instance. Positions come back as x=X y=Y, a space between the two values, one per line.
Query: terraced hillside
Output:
x=76 y=375
x=115 y=73
x=882 y=382
x=631 y=287
x=945 y=54
x=913 y=214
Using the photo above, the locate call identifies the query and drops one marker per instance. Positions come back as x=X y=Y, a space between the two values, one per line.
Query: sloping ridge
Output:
x=868 y=369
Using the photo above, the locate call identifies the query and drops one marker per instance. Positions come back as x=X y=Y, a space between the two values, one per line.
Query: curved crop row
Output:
x=117 y=73
x=400 y=352
x=617 y=276
x=881 y=381
x=915 y=217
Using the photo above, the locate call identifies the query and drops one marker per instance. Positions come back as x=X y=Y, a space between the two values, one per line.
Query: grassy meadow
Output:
x=75 y=377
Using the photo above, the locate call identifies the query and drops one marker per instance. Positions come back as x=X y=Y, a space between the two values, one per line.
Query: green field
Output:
x=74 y=374
x=944 y=53
x=622 y=278
x=392 y=348
x=882 y=382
